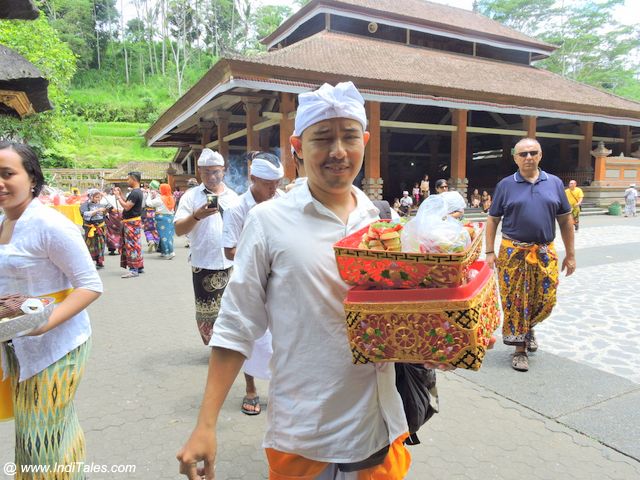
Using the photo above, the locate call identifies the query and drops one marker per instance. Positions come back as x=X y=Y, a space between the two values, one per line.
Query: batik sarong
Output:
x=165 y=231
x=630 y=207
x=149 y=223
x=47 y=429
x=208 y=287
x=528 y=277
x=113 y=221
x=131 y=251
x=94 y=237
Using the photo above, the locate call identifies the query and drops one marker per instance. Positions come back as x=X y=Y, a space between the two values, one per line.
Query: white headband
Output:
x=266 y=170
x=341 y=101
x=209 y=158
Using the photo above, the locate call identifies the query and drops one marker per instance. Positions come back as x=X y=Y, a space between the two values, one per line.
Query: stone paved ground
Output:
x=139 y=398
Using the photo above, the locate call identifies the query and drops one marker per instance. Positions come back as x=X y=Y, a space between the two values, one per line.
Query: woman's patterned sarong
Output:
x=528 y=277
x=166 y=232
x=131 y=252
x=149 y=223
x=46 y=424
x=94 y=237
x=208 y=287
x=114 y=230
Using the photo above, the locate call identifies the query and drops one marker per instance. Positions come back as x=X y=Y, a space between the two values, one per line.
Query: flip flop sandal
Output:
x=520 y=362
x=254 y=402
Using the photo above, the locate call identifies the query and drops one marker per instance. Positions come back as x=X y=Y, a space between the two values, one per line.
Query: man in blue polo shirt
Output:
x=528 y=202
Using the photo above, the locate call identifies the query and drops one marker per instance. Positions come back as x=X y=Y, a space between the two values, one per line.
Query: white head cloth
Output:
x=341 y=101
x=91 y=192
x=209 y=158
x=266 y=170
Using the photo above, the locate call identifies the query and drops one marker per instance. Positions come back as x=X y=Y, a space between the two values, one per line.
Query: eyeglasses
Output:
x=533 y=153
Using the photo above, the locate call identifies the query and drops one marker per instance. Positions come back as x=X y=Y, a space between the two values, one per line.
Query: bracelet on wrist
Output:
x=194 y=217
x=487 y=253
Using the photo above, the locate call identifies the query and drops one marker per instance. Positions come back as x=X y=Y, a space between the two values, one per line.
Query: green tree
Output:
x=47 y=132
x=267 y=18
x=593 y=47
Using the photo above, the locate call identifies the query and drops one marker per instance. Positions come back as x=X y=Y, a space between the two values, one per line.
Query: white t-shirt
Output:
x=47 y=254
x=206 y=237
x=235 y=217
x=321 y=405
x=406 y=201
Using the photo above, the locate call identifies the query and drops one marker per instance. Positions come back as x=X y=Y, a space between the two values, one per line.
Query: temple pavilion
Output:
x=448 y=93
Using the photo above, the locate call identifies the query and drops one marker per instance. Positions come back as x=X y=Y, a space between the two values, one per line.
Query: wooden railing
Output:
x=68 y=178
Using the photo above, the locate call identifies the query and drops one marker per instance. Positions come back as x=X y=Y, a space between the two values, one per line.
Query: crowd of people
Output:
x=329 y=418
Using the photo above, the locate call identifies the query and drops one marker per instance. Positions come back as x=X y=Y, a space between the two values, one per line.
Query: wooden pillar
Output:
x=265 y=139
x=197 y=150
x=599 y=175
x=584 y=149
x=372 y=185
x=206 y=131
x=252 y=107
x=287 y=105
x=530 y=125
x=459 y=151
x=625 y=133
x=221 y=119
x=385 y=140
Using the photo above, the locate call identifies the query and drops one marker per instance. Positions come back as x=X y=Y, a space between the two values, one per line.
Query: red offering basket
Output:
x=379 y=269
x=443 y=325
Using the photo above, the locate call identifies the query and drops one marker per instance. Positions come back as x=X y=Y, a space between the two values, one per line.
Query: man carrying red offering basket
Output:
x=328 y=418
x=529 y=202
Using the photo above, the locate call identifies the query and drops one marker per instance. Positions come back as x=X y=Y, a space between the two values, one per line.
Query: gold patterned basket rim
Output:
x=456 y=258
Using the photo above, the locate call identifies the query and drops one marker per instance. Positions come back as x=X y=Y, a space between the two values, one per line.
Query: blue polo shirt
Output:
x=529 y=210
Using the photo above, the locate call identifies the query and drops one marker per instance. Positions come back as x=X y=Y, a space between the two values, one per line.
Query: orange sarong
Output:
x=289 y=466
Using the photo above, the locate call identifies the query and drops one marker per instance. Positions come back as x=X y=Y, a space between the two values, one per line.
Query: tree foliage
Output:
x=39 y=43
x=593 y=47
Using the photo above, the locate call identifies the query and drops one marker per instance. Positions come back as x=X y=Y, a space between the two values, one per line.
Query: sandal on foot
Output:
x=520 y=361
x=252 y=402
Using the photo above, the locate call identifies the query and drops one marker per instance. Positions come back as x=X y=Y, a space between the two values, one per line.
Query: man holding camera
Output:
x=200 y=215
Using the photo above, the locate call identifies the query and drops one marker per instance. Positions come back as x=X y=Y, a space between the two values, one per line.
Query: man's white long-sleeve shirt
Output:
x=285 y=278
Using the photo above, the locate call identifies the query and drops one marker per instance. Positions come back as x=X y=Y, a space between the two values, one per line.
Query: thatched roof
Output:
x=19 y=75
x=150 y=171
x=18 y=10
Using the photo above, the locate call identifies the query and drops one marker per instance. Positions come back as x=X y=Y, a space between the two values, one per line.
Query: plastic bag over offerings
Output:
x=433 y=231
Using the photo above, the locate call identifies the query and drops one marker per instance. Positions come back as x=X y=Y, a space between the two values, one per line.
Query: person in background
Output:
x=475 y=199
x=424 y=187
x=191 y=183
x=93 y=215
x=149 y=218
x=441 y=185
x=630 y=200
x=132 y=205
x=200 y=216
x=265 y=174
x=485 y=201
x=43 y=254
x=575 y=195
x=529 y=203
x=415 y=193
x=163 y=204
x=113 y=222
x=406 y=202
x=396 y=205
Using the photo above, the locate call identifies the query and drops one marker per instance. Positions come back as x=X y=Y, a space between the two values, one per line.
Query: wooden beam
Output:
x=498 y=119
x=625 y=133
x=252 y=107
x=459 y=145
x=238 y=134
x=584 y=150
x=397 y=111
x=287 y=107
x=497 y=131
x=222 y=122
x=417 y=126
x=529 y=124
x=372 y=150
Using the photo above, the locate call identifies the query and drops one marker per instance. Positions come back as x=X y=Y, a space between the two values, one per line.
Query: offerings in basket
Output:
x=387 y=269
x=20 y=314
x=445 y=325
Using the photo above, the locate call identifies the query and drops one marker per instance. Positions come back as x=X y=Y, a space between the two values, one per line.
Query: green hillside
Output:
x=109 y=144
